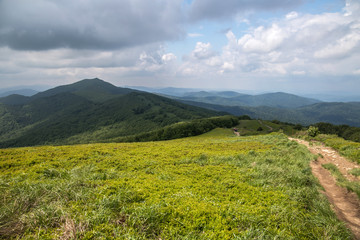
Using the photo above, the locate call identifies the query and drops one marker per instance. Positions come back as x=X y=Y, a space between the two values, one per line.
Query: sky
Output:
x=297 y=46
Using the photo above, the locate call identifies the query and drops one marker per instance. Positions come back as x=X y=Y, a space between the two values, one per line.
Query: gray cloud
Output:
x=215 y=9
x=106 y=24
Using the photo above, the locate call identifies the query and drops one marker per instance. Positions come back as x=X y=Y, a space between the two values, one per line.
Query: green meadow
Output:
x=213 y=186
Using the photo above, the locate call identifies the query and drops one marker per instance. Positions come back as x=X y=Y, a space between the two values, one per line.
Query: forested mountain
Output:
x=89 y=110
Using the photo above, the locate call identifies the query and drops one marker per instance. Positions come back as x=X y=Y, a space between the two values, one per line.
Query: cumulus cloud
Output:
x=107 y=24
x=202 y=51
x=298 y=44
x=203 y=59
x=292 y=15
x=341 y=48
x=156 y=61
x=263 y=39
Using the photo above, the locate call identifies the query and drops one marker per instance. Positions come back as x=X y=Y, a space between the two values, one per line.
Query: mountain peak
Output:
x=92 y=80
x=95 y=89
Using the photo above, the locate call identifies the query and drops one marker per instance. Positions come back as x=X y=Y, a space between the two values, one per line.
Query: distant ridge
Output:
x=14 y=99
x=278 y=99
x=24 y=92
x=336 y=113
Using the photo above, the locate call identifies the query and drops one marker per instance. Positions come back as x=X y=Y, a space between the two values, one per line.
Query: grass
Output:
x=251 y=127
x=214 y=186
x=355 y=172
x=346 y=148
x=341 y=180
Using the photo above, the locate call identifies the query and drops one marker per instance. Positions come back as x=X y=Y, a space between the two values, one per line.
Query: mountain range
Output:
x=93 y=110
x=337 y=113
x=230 y=98
x=87 y=111
x=281 y=106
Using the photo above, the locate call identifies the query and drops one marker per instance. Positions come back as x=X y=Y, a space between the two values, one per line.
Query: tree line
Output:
x=182 y=129
x=344 y=131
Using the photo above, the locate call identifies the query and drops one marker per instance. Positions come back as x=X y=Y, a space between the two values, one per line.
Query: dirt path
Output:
x=346 y=204
x=331 y=156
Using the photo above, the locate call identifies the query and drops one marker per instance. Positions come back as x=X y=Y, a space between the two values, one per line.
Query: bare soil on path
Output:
x=345 y=204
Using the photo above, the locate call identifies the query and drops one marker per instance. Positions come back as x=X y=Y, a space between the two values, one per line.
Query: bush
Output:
x=244 y=117
x=313 y=131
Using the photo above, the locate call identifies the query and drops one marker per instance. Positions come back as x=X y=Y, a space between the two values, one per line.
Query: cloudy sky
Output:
x=298 y=46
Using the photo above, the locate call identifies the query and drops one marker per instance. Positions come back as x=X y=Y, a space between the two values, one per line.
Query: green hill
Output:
x=89 y=110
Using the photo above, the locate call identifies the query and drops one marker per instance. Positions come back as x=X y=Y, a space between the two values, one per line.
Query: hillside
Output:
x=91 y=110
x=214 y=186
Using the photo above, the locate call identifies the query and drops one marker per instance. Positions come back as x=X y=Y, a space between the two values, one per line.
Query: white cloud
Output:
x=341 y=48
x=195 y=35
x=202 y=51
x=292 y=15
x=227 y=66
x=352 y=8
x=202 y=60
x=263 y=39
x=168 y=57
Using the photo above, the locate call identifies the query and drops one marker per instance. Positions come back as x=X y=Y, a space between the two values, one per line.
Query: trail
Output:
x=346 y=204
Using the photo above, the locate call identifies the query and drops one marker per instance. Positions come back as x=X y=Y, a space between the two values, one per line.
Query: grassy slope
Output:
x=251 y=127
x=214 y=186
